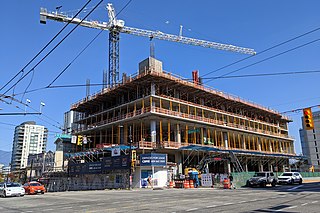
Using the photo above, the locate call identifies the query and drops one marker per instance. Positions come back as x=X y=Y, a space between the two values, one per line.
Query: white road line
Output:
x=115 y=202
x=294 y=188
x=211 y=206
x=290 y=207
x=49 y=209
x=194 y=209
x=67 y=207
x=244 y=201
x=29 y=211
x=100 y=204
x=314 y=201
x=225 y=204
x=254 y=200
x=304 y=204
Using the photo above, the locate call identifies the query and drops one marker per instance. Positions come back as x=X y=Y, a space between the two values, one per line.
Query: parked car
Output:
x=11 y=189
x=290 y=178
x=262 y=179
x=34 y=187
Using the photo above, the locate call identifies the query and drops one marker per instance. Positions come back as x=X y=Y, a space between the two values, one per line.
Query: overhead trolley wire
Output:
x=266 y=59
x=263 y=51
x=265 y=74
x=62 y=29
x=54 y=47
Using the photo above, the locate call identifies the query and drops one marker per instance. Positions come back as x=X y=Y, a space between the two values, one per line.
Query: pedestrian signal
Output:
x=308 y=120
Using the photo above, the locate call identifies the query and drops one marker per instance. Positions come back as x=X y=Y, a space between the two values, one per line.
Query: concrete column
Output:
x=270 y=167
x=153 y=88
x=177 y=134
x=178 y=160
x=153 y=128
x=260 y=166
x=259 y=144
x=246 y=166
x=225 y=139
x=244 y=142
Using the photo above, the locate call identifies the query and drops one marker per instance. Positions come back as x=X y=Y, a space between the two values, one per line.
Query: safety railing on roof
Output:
x=168 y=112
x=178 y=79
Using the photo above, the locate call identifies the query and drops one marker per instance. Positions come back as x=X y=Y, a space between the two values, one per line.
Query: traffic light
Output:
x=133 y=156
x=308 y=120
x=80 y=140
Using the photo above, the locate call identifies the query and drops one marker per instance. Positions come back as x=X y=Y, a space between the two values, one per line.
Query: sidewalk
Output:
x=311 y=180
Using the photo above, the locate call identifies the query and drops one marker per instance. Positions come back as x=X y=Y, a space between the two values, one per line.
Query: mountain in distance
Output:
x=5 y=157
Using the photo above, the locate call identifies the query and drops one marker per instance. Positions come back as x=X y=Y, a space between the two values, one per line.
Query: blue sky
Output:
x=253 y=24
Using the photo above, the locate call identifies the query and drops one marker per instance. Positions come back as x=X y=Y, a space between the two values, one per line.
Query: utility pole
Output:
x=130 y=157
x=31 y=170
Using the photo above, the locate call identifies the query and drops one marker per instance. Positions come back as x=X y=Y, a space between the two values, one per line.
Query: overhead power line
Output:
x=56 y=78
x=76 y=26
x=62 y=29
x=264 y=74
x=266 y=59
x=263 y=51
x=300 y=109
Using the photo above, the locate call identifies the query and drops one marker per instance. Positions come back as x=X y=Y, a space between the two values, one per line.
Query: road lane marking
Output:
x=294 y=188
x=115 y=202
x=225 y=204
x=244 y=201
x=67 y=207
x=304 y=204
x=100 y=204
x=290 y=207
x=314 y=201
x=212 y=206
x=194 y=209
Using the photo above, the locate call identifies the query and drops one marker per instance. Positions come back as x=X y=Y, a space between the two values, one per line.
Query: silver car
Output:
x=290 y=178
x=11 y=189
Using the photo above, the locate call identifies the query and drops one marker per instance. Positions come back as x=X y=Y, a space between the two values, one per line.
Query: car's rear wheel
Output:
x=300 y=181
x=273 y=184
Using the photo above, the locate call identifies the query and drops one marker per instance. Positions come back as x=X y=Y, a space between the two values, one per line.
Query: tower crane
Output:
x=117 y=26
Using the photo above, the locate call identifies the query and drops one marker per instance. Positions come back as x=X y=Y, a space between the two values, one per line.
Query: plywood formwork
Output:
x=166 y=112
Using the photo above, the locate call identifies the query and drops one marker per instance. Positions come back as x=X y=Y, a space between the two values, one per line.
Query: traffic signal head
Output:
x=80 y=140
x=133 y=156
x=308 y=120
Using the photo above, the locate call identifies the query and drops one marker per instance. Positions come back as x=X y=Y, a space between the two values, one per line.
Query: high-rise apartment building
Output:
x=29 y=138
x=310 y=141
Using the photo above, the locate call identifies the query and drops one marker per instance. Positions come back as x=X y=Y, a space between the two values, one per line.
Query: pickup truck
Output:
x=262 y=179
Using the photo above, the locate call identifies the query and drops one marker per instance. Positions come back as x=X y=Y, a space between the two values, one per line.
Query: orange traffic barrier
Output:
x=171 y=184
x=186 y=184
x=191 y=184
x=226 y=183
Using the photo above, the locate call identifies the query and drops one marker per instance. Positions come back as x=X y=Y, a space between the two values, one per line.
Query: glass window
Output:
x=13 y=185
x=286 y=174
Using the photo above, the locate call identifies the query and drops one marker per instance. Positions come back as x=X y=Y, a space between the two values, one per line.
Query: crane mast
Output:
x=116 y=26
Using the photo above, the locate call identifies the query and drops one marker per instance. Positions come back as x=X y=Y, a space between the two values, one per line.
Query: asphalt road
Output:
x=296 y=198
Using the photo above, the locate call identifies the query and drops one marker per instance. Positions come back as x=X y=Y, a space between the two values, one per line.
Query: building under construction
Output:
x=193 y=124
